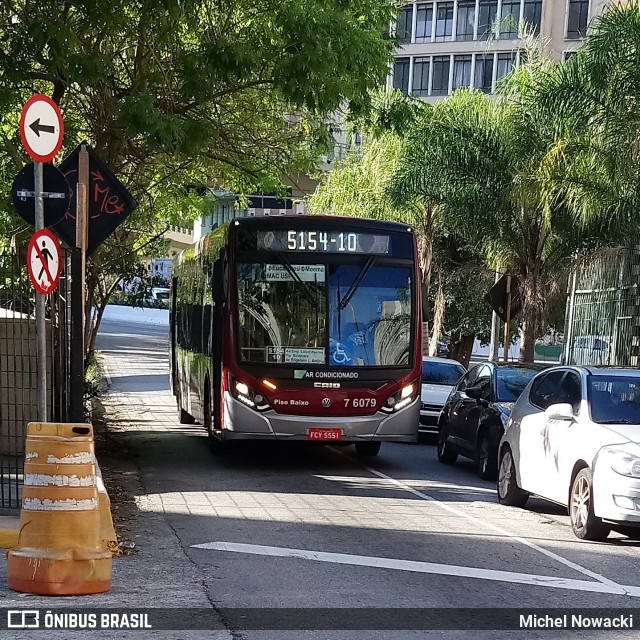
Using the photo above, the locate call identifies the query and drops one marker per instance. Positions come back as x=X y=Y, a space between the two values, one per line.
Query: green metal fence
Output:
x=603 y=310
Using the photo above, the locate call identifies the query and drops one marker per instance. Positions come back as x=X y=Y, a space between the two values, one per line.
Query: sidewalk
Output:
x=157 y=572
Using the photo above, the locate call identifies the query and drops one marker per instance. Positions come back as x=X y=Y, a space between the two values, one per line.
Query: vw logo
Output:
x=326 y=402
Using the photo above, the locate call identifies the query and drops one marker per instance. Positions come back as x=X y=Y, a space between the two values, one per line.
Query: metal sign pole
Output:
x=78 y=265
x=495 y=331
x=507 y=323
x=41 y=336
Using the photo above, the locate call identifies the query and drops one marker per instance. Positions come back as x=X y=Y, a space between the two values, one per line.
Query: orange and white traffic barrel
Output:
x=59 y=548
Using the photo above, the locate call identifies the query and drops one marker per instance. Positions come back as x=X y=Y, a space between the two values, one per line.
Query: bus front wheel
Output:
x=217 y=446
x=367 y=448
x=184 y=417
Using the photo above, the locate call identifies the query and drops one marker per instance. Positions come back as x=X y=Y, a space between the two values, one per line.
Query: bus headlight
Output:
x=400 y=399
x=245 y=394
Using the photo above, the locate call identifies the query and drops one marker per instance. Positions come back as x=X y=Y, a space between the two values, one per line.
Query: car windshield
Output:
x=341 y=315
x=614 y=399
x=162 y=295
x=441 y=373
x=512 y=381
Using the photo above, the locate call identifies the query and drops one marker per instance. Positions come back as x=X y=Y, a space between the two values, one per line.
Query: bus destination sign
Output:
x=323 y=241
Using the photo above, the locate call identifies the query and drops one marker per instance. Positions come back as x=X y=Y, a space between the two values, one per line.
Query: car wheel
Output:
x=486 y=457
x=368 y=448
x=445 y=455
x=217 y=445
x=509 y=493
x=585 y=524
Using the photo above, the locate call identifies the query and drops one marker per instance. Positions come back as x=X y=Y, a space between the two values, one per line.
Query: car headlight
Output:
x=243 y=392
x=400 y=399
x=623 y=462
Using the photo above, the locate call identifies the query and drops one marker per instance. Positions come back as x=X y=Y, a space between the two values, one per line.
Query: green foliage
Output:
x=358 y=186
x=175 y=93
x=546 y=172
x=464 y=280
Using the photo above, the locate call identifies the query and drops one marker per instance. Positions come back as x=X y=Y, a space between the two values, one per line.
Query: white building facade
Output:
x=446 y=45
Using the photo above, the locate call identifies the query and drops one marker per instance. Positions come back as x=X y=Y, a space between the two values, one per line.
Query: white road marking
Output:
x=423 y=567
x=492 y=527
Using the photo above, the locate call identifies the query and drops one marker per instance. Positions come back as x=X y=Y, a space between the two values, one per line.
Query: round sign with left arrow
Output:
x=41 y=128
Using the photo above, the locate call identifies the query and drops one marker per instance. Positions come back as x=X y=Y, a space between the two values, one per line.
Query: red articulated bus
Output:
x=299 y=328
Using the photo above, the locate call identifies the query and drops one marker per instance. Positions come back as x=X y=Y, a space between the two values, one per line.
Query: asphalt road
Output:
x=298 y=526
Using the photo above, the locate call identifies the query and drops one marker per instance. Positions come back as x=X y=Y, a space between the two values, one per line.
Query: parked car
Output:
x=159 y=295
x=472 y=421
x=439 y=377
x=592 y=350
x=442 y=349
x=574 y=438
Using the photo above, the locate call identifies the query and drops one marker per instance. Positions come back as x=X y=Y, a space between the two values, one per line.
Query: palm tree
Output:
x=496 y=172
x=598 y=94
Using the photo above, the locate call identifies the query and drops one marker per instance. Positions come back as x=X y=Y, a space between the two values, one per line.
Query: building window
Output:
x=487 y=13
x=506 y=62
x=461 y=71
x=424 y=22
x=484 y=73
x=567 y=54
x=578 y=18
x=401 y=75
x=440 y=82
x=466 y=19
x=444 y=21
x=509 y=19
x=420 y=84
x=533 y=14
x=403 y=26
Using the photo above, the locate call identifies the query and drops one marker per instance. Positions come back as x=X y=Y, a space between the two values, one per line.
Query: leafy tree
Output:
x=464 y=280
x=597 y=169
x=178 y=92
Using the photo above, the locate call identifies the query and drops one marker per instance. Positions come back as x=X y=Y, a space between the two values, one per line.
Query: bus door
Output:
x=219 y=289
x=173 y=333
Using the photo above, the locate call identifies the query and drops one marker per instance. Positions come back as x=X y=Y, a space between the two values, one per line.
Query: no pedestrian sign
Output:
x=41 y=128
x=43 y=261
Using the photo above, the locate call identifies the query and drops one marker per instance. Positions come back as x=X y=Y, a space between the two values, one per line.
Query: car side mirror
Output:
x=560 y=411
x=474 y=392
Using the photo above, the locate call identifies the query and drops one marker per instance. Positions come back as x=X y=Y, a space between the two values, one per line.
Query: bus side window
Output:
x=218 y=285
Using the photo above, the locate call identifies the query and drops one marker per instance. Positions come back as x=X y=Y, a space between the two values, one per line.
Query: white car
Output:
x=160 y=295
x=439 y=377
x=573 y=437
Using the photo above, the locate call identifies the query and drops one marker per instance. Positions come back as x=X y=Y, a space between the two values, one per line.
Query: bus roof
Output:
x=218 y=235
x=279 y=222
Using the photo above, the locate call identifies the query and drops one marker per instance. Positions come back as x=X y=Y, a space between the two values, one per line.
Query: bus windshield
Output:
x=325 y=314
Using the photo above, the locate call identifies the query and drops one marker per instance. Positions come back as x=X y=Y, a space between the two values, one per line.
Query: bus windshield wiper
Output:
x=356 y=283
x=306 y=288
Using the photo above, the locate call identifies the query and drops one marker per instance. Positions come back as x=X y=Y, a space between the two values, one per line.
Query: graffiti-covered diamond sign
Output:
x=109 y=201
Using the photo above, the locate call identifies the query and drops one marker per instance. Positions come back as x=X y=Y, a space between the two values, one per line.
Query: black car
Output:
x=472 y=421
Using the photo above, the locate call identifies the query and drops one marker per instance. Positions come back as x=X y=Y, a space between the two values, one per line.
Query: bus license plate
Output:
x=324 y=434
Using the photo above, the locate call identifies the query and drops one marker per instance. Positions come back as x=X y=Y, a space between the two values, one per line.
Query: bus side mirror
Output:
x=218 y=283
